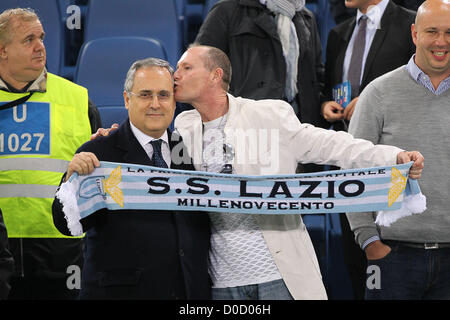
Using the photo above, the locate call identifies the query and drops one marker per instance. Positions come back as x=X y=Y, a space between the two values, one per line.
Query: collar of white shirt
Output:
x=374 y=14
x=422 y=78
x=144 y=140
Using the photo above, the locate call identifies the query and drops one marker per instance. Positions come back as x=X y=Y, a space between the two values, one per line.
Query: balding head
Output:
x=431 y=7
x=215 y=58
x=431 y=35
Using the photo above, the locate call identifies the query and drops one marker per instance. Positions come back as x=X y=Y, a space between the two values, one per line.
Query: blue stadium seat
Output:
x=72 y=37
x=193 y=19
x=49 y=13
x=208 y=5
x=338 y=278
x=326 y=236
x=324 y=19
x=112 y=114
x=156 y=19
x=181 y=7
x=63 y=4
x=313 y=6
x=103 y=63
x=181 y=12
x=319 y=229
x=327 y=23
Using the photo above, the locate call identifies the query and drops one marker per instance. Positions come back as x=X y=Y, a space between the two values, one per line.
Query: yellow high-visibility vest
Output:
x=37 y=141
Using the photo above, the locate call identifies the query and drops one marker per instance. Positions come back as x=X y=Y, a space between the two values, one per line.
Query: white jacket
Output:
x=268 y=138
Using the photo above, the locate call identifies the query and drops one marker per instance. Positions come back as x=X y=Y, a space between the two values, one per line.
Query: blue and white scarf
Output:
x=122 y=186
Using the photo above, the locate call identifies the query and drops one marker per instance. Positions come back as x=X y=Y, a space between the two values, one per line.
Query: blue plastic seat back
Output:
x=324 y=19
x=208 y=5
x=156 y=19
x=112 y=114
x=103 y=64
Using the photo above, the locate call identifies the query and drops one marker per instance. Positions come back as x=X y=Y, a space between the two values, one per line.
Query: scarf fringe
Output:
x=411 y=204
x=67 y=195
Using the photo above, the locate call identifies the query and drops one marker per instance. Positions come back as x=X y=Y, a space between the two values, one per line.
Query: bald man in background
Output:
x=411 y=258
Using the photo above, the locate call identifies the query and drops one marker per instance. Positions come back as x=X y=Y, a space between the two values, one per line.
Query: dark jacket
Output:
x=135 y=254
x=391 y=48
x=6 y=261
x=246 y=31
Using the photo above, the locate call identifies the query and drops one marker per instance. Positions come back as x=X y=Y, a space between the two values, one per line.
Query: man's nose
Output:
x=442 y=39
x=154 y=102
x=39 y=45
x=176 y=75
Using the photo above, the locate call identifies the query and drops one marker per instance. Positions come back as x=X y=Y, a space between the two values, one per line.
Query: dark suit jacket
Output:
x=391 y=48
x=132 y=254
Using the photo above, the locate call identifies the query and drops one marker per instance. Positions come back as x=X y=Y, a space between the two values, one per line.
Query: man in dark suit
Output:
x=131 y=254
x=387 y=46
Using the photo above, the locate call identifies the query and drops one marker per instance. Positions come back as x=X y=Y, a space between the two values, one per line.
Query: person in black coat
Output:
x=246 y=31
x=141 y=254
x=6 y=261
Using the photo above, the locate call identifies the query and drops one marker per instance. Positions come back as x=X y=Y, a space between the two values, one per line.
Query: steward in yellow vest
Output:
x=37 y=141
x=37 y=138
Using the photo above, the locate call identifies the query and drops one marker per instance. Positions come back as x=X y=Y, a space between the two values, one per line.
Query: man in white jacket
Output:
x=261 y=256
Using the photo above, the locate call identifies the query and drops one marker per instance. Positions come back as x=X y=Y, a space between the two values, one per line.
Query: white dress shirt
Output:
x=144 y=140
x=374 y=15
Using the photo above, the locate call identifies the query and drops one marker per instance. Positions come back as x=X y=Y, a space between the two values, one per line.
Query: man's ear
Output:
x=218 y=75
x=126 y=99
x=3 y=54
x=414 y=33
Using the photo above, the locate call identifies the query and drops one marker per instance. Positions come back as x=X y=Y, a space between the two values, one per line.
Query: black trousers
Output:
x=40 y=288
